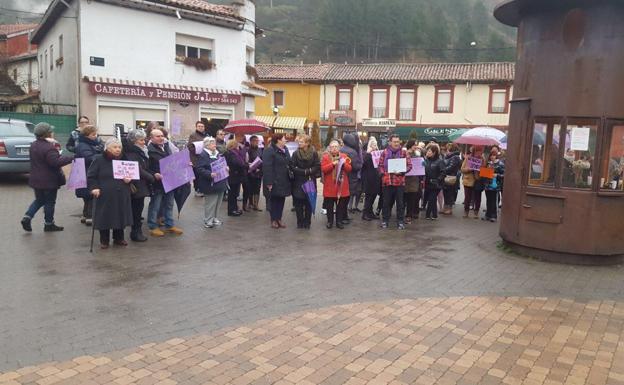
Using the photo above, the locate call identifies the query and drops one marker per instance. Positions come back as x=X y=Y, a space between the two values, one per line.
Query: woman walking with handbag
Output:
x=306 y=167
x=434 y=179
x=471 y=182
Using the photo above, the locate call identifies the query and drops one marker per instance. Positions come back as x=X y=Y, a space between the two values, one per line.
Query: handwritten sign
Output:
x=176 y=170
x=123 y=169
x=418 y=168
x=255 y=164
x=78 y=175
x=376 y=155
x=199 y=147
x=397 y=166
x=219 y=167
x=474 y=163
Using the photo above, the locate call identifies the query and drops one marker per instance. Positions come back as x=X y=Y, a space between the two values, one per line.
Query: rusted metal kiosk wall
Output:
x=570 y=68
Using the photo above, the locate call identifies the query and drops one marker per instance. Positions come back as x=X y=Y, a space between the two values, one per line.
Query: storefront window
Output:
x=544 y=153
x=613 y=160
x=579 y=153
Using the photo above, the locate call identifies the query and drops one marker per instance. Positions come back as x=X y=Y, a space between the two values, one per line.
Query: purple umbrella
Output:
x=309 y=188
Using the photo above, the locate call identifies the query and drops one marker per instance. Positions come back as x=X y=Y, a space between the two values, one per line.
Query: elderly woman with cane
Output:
x=112 y=205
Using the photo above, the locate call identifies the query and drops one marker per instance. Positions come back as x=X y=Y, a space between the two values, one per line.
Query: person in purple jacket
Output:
x=46 y=177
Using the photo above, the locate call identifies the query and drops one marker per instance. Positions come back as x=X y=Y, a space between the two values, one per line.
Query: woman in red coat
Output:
x=335 y=185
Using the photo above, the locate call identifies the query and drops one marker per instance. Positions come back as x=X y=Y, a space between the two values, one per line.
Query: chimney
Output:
x=246 y=9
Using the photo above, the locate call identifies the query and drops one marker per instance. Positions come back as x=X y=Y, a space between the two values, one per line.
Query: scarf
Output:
x=212 y=155
x=307 y=154
x=333 y=158
x=390 y=154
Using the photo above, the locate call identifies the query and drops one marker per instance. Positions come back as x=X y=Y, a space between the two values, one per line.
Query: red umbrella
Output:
x=246 y=127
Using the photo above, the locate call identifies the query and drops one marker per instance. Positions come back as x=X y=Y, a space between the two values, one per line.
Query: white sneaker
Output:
x=323 y=211
x=208 y=225
x=217 y=222
x=199 y=194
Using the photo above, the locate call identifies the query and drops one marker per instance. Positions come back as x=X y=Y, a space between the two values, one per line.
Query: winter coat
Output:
x=453 y=164
x=276 y=170
x=353 y=151
x=87 y=149
x=412 y=183
x=254 y=153
x=304 y=170
x=72 y=141
x=331 y=189
x=45 y=166
x=113 y=209
x=195 y=137
x=204 y=173
x=144 y=185
x=499 y=171
x=238 y=167
x=434 y=172
x=371 y=178
x=470 y=178
x=155 y=154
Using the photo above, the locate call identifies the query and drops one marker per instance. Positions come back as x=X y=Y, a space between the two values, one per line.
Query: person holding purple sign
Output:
x=213 y=191
x=371 y=182
x=412 y=184
x=113 y=210
x=157 y=150
x=473 y=187
x=136 y=151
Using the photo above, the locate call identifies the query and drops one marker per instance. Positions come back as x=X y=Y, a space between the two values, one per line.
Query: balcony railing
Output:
x=443 y=109
x=379 y=112
x=498 y=110
x=345 y=107
x=406 y=114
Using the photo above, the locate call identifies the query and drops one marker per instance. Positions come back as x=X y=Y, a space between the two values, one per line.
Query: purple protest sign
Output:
x=418 y=168
x=341 y=163
x=176 y=125
x=255 y=164
x=219 y=167
x=376 y=155
x=474 y=163
x=176 y=170
x=78 y=175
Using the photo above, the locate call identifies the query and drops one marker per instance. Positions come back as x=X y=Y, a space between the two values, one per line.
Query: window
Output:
x=499 y=100
x=613 y=163
x=60 y=46
x=580 y=150
x=249 y=54
x=379 y=102
x=344 y=98
x=194 y=47
x=407 y=104
x=444 y=99
x=278 y=98
x=544 y=153
x=46 y=62
x=51 y=57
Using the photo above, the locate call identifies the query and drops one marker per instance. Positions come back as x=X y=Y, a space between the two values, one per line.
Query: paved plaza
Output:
x=439 y=303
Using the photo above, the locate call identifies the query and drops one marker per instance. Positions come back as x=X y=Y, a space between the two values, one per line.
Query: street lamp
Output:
x=275 y=110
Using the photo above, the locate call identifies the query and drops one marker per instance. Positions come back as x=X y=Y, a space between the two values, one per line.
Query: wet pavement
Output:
x=59 y=302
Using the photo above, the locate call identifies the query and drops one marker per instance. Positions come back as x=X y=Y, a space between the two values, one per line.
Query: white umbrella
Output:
x=481 y=136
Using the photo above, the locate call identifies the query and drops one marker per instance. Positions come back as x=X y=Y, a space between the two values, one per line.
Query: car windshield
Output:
x=8 y=130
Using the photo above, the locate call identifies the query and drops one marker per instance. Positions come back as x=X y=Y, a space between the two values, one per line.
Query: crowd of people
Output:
x=348 y=170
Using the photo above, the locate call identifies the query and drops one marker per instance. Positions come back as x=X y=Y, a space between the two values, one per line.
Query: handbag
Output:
x=450 y=180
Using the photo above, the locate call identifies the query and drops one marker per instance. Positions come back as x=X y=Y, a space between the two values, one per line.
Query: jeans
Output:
x=392 y=194
x=137 y=211
x=118 y=235
x=341 y=209
x=277 y=208
x=303 y=209
x=45 y=199
x=431 y=197
x=491 y=203
x=212 y=204
x=235 y=187
x=160 y=199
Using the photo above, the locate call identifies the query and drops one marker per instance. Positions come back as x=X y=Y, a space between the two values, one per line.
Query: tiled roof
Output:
x=396 y=73
x=202 y=6
x=7 y=29
x=292 y=72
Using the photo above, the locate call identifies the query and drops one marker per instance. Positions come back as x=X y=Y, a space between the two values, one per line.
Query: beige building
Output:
x=441 y=97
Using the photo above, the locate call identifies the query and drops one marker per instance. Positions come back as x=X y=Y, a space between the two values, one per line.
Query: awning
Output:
x=290 y=123
x=266 y=119
x=426 y=134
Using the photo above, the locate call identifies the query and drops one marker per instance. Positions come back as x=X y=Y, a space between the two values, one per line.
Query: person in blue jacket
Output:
x=88 y=147
x=213 y=191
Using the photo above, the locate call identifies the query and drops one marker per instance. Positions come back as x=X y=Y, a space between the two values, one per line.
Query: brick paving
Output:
x=458 y=340
x=201 y=292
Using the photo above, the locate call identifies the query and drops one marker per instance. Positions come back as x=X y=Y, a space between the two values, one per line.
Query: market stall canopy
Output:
x=290 y=123
x=427 y=134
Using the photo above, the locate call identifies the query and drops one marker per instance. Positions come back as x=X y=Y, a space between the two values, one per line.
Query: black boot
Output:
x=52 y=227
x=137 y=236
x=26 y=224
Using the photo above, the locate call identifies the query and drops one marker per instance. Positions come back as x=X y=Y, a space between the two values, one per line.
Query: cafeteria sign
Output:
x=133 y=91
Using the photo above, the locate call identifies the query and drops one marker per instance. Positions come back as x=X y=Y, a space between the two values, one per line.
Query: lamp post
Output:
x=275 y=113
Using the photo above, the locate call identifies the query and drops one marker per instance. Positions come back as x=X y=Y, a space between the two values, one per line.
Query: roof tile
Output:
x=7 y=29
x=293 y=72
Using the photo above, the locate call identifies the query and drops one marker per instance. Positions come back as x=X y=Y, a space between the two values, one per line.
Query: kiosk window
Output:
x=579 y=153
x=544 y=153
x=613 y=161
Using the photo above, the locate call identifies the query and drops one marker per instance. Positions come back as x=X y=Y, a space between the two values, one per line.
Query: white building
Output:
x=127 y=62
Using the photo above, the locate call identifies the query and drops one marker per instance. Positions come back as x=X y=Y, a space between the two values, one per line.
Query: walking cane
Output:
x=93 y=225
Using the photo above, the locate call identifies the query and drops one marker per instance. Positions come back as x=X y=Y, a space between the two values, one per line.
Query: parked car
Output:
x=15 y=139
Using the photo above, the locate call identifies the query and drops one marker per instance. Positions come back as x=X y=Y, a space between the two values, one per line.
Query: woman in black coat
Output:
x=254 y=178
x=136 y=151
x=306 y=166
x=453 y=164
x=277 y=183
x=238 y=166
x=113 y=209
x=434 y=179
x=371 y=180
x=88 y=147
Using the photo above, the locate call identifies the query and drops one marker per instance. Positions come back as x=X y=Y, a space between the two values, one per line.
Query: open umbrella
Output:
x=246 y=126
x=309 y=188
x=457 y=134
x=180 y=195
x=481 y=136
